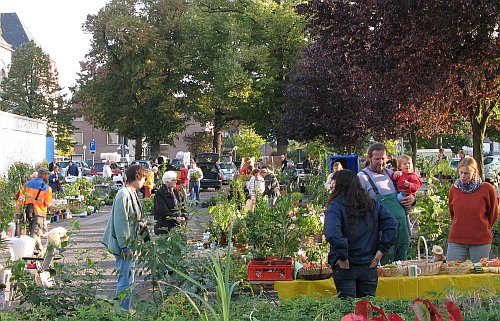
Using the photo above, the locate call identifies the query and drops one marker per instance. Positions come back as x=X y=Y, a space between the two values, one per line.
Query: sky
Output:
x=57 y=27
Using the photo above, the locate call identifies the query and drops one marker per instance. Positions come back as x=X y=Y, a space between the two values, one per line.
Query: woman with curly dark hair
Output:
x=359 y=231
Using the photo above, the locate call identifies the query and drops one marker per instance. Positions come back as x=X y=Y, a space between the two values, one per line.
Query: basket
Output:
x=315 y=272
x=462 y=269
x=426 y=266
x=393 y=272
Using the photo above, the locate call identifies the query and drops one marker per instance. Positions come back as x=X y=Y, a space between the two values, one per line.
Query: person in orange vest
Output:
x=39 y=194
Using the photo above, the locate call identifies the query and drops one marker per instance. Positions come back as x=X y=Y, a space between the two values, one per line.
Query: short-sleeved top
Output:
x=383 y=182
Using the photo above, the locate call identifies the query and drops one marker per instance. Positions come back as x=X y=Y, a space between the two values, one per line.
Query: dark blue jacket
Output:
x=360 y=244
x=72 y=170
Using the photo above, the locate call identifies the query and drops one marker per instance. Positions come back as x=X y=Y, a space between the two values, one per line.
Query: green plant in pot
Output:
x=223 y=214
x=259 y=230
x=286 y=237
x=273 y=231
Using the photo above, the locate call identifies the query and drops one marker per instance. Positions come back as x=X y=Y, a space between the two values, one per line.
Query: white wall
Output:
x=5 y=57
x=22 y=139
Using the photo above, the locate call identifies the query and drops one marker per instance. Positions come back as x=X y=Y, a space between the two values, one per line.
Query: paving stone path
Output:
x=86 y=241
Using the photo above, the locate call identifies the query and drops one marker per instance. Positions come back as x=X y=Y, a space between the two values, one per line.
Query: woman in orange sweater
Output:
x=473 y=209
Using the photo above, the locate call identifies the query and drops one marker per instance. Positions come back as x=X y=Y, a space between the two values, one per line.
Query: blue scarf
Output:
x=469 y=187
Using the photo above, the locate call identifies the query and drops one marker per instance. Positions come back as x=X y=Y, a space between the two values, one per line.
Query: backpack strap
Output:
x=375 y=189
x=39 y=190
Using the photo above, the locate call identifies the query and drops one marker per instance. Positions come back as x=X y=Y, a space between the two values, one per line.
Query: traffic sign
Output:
x=123 y=150
x=92 y=147
x=266 y=149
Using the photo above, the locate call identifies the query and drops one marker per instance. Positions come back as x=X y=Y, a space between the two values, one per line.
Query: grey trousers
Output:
x=460 y=252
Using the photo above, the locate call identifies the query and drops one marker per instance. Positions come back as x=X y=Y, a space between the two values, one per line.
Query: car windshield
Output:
x=226 y=165
x=98 y=166
x=176 y=163
x=62 y=164
x=488 y=160
x=207 y=158
x=144 y=164
x=454 y=162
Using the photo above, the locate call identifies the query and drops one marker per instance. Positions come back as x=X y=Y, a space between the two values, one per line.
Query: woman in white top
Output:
x=329 y=184
x=255 y=186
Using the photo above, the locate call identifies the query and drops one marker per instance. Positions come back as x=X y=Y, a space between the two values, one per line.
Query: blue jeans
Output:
x=194 y=191
x=356 y=282
x=460 y=252
x=125 y=267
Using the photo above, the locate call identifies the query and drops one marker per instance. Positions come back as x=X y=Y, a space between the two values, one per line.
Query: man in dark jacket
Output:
x=168 y=202
x=272 y=186
x=72 y=169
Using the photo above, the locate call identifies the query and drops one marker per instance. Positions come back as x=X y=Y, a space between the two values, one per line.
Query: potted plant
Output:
x=223 y=214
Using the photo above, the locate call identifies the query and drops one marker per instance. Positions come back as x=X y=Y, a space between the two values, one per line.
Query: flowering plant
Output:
x=424 y=311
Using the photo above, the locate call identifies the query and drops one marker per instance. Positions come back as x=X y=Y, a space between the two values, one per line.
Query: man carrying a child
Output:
x=376 y=180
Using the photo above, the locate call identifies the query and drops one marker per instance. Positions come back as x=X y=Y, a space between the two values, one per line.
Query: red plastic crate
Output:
x=267 y=271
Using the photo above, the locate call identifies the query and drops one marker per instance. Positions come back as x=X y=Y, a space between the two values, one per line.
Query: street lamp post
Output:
x=84 y=148
x=235 y=148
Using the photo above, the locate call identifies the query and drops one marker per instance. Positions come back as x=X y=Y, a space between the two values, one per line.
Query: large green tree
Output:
x=281 y=31
x=32 y=90
x=221 y=62
x=131 y=80
x=248 y=143
x=239 y=53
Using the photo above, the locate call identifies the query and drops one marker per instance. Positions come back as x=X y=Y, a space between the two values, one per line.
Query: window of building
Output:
x=78 y=138
x=114 y=139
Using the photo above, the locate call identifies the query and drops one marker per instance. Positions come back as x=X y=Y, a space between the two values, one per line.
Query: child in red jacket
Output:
x=407 y=182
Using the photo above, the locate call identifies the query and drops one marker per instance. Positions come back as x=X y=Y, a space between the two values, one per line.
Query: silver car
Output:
x=228 y=170
x=492 y=167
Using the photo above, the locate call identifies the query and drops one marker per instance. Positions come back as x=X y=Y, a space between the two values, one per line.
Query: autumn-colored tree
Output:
x=474 y=90
x=385 y=62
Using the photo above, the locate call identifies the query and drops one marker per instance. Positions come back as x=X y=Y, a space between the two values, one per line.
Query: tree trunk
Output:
x=154 y=148
x=282 y=146
x=412 y=136
x=138 y=147
x=218 y=125
x=478 y=131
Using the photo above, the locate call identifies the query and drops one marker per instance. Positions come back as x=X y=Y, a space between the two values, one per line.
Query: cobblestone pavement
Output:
x=86 y=241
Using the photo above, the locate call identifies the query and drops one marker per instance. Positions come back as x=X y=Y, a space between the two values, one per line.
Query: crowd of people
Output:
x=366 y=221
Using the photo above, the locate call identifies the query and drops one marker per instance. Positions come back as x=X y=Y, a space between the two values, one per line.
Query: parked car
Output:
x=228 y=170
x=83 y=167
x=300 y=170
x=176 y=163
x=492 y=167
x=206 y=158
x=144 y=163
x=97 y=169
x=212 y=176
x=122 y=165
x=454 y=162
